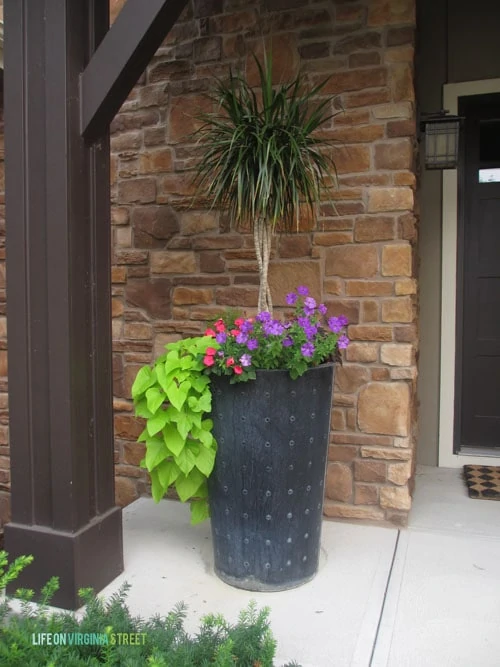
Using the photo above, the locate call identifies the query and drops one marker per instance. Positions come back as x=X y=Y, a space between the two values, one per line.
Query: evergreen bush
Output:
x=159 y=642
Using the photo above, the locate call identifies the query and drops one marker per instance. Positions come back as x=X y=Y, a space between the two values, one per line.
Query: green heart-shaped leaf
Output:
x=187 y=485
x=173 y=439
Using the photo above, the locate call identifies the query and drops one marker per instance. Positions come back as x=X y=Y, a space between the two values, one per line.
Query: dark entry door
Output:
x=477 y=418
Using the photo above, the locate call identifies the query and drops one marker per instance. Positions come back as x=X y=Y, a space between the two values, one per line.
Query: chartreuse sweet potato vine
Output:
x=173 y=397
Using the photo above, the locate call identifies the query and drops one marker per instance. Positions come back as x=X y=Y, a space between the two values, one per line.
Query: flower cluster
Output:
x=243 y=345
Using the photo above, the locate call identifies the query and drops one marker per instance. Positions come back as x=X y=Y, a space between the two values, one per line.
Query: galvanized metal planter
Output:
x=266 y=490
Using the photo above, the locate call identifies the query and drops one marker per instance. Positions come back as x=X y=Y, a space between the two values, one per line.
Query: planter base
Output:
x=253 y=584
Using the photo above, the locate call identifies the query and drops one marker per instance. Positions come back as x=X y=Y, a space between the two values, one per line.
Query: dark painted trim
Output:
x=461 y=182
x=58 y=303
x=121 y=58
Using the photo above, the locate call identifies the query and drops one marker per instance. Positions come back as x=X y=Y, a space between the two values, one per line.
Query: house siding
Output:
x=458 y=43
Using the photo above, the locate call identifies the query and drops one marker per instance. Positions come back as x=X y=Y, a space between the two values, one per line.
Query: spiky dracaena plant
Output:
x=261 y=157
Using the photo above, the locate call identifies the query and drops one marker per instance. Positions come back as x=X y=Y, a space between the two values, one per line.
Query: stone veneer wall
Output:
x=175 y=265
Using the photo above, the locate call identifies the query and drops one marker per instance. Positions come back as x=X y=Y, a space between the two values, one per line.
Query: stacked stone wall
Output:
x=176 y=265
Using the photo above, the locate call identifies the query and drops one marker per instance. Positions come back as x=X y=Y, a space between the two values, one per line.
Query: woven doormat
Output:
x=483 y=481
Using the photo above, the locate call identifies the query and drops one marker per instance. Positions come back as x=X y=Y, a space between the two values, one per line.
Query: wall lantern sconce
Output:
x=441 y=139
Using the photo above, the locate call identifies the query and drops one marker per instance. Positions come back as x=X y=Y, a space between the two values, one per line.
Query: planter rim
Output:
x=285 y=370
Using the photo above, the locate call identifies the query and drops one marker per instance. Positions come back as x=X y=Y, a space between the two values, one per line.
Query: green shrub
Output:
x=162 y=642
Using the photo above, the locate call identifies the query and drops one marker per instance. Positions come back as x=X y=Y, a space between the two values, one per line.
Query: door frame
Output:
x=446 y=457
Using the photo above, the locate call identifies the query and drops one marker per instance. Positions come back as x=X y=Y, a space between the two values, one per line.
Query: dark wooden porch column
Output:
x=59 y=318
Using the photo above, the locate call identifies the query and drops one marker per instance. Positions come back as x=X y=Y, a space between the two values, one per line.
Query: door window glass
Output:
x=489 y=151
x=489 y=141
x=489 y=175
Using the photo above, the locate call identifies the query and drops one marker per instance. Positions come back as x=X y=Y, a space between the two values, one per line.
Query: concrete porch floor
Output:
x=427 y=596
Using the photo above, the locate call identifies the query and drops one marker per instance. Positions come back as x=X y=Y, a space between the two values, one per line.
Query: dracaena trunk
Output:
x=262 y=235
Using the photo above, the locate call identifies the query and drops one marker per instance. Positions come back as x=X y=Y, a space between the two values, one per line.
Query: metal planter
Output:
x=266 y=490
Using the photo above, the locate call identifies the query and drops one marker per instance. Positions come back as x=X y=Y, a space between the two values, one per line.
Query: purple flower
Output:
x=343 y=342
x=220 y=353
x=309 y=305
x=263 y=317
x=246 y=327
x=302 y=290
x=291 y=299
x=307 y=349
x=310 y=331
x=343 y=320
x=334 y=324
x=309 y=302
x=322 y=308
x=221 y=337
x=241 y=338
x=252 y=344
x=287 y=342
x=245 y=360
x=303 y=322
x=274 y=328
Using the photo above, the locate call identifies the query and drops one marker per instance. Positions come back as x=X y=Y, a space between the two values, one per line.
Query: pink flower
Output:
x=220 y=326
x=238 y=370
x=208 y=360
x=209 y=332
x=230 y=362
x=210 y=351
